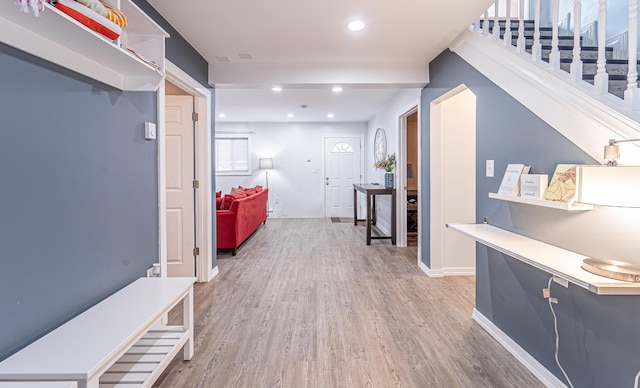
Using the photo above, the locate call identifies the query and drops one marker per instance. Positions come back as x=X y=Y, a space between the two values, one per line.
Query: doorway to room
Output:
x=453 y=181
x=180 y=146
x=413 y=168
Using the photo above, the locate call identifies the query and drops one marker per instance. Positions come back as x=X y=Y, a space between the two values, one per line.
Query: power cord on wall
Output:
x=547 y=294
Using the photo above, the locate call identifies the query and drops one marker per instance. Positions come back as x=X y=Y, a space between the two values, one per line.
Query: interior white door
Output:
x=342 y=159
x=180 y=191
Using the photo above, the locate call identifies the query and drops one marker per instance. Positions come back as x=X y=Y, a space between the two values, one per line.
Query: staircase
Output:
x=617 y=69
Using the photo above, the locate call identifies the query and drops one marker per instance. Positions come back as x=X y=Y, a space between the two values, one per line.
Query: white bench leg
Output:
x=187 y=311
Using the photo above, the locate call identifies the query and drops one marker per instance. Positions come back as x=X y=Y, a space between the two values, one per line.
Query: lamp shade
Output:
x=266 y=163
x=609 y=186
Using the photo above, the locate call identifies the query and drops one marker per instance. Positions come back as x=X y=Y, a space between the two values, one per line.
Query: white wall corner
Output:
x=573 y=108
x=538 y=370
x=213 y=273
x=431 y=273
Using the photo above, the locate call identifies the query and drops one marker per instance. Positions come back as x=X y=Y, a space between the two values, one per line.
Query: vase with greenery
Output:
x=388 y=164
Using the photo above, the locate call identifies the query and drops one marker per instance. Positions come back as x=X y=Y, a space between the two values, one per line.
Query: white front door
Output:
x=180 y=191
x=342 y=169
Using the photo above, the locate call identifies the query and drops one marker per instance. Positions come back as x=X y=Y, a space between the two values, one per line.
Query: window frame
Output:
x=232 y=136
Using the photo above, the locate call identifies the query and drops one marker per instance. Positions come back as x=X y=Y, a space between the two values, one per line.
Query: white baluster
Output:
x=496 y=25
x=554 y=56
x=476 y=25
x=485 y=24
x=522 y=41
x=601 y=80
x=536 y=49
x=576 y=64
x=507 y=26
x=632 y=94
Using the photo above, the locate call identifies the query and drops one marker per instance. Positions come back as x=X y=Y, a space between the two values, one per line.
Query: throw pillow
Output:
x=226 y=202
x=218 y=194
x=250 y=191
x=258 y=188
x=238 y=189
x=218 y=203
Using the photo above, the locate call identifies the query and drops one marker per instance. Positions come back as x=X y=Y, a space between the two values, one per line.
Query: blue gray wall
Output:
x=599 y=345
x=78 y=203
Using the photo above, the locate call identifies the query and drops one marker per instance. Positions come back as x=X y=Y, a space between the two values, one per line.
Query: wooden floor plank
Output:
x=306 y=303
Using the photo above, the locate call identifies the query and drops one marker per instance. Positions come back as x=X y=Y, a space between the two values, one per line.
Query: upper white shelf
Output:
x=556 y=261
x=57 y=38
x=576 y=206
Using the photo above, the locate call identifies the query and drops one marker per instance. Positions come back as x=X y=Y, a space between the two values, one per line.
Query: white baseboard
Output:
x=429 y=272
x=459 y=271
x=538 y=370
x=439 y=273
x=213 y=273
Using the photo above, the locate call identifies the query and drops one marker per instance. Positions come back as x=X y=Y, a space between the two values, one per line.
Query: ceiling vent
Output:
x=223 y=59
x=245 y=56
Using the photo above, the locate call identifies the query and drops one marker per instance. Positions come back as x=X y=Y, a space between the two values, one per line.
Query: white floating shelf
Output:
x=576 y=206
x=556 y=261
x=57 y=38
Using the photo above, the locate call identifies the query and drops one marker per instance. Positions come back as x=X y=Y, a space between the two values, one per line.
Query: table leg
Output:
x=374 y=215
x=187 y=316
x=393 y=217
x=368 y=219
x=355 y=207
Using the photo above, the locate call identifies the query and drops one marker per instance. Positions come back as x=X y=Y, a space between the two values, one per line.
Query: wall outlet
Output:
x=149 y=131
x=150 y=272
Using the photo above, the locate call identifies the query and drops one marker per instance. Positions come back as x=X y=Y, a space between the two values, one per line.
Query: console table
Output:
x=371 y=190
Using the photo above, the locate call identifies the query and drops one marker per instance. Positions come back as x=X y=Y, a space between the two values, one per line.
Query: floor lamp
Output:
x=266 y=164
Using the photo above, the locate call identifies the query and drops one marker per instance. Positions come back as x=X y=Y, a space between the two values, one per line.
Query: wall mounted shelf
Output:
x=544 y=203
x=556 y=261
x=57 y=38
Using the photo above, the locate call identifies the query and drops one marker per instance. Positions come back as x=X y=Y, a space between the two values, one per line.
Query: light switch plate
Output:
x=490 y=169
x=149 y=131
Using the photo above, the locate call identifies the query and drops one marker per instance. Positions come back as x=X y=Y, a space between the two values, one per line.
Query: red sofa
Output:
x=244 y=214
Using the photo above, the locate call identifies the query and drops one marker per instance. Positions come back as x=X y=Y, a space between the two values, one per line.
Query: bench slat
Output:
x=129 y=378
x=125 y=367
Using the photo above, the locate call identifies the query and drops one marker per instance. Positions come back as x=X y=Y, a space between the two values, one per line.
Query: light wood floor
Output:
x=306 y=303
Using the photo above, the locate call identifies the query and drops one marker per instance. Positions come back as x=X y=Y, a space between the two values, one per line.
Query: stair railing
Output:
x=601 y=78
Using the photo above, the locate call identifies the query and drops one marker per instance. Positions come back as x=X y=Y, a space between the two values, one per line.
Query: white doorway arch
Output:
x=203 y=198
x=453 y=181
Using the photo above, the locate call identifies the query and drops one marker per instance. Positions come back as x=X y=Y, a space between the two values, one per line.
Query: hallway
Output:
x=306 y=303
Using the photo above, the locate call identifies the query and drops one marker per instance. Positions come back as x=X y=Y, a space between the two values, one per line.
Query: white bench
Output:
x=119 y=340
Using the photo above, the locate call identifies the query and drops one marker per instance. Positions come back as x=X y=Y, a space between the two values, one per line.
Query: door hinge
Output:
x=196 y=251
x=194 y=116
x=196 y=184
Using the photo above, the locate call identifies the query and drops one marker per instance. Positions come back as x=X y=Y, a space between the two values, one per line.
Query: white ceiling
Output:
x=303 y=45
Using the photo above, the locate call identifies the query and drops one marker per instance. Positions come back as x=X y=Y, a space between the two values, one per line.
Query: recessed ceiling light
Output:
x=222 y=115
x=276 y=89
x=290 y=115
x=330 y=115
x=336 y=89
x=356 y=25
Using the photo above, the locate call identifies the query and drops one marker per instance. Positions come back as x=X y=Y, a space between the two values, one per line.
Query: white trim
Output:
x=162 y=181
x=204 y=215
x=213 y=272
x=429 y=272
x=537 y=369
x=436 y=175
x=324 y=171
x=421 y=220
x=459 y=271
x=401 y=194
x=574 y=109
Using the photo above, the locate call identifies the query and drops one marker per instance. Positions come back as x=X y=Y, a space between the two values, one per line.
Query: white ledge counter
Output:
x=556 y=261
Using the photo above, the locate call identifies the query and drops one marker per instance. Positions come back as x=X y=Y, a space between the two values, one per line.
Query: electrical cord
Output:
x=555 y=327
x=636 y=383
